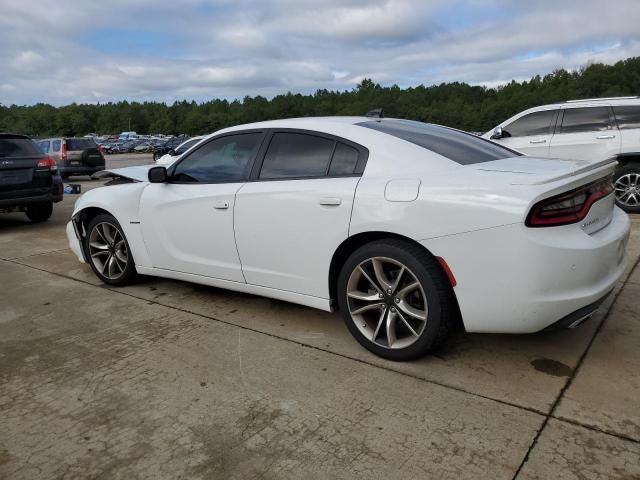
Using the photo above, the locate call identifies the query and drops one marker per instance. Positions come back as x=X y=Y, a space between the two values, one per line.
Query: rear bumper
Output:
x=515 y=279
x=79 y=169
x=27 y=196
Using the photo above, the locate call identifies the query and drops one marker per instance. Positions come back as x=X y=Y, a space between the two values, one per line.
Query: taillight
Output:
x=47 y=162
x=63 y=151
x=568 y=207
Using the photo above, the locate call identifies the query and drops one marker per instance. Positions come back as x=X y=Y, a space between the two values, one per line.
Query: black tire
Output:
x=39 y=212
x=128 y=274
x=442 y=310
x=632 y=171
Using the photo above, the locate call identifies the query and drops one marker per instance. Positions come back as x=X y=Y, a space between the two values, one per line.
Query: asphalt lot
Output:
x=165 y=379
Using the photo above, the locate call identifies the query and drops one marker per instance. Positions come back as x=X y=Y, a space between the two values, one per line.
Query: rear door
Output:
x=628 y=120
x=295 y=212
x=586 y=133
x=530 y=134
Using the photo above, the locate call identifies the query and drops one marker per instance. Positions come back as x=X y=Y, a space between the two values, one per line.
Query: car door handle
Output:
x=330 y=201
x=542 y=140
x=221 y=205
x=606 y=137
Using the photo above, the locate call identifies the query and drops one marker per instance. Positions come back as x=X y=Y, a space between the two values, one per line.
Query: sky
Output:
x=64 y=51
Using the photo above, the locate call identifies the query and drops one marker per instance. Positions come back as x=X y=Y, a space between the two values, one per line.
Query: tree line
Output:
x=459 y=105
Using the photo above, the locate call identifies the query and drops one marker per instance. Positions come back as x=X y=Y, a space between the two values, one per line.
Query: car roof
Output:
x=588 y=102
x=13 y=135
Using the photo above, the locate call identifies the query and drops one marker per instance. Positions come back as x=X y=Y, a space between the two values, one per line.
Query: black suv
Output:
x=29 y=179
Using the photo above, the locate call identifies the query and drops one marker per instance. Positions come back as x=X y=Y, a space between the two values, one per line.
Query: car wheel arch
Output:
x=351 y=244
x=628 y=158
x=89 y=213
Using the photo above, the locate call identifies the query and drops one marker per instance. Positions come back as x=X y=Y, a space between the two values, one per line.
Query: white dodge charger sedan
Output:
x=406 y=228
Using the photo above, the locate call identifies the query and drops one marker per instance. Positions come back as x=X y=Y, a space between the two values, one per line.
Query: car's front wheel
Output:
x=108 y=251
x=627 y=187
x=396 y=300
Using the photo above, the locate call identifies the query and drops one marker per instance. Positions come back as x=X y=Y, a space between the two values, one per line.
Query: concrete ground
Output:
x=166 y=379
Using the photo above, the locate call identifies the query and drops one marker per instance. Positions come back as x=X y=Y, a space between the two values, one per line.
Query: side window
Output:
x=295 y=155
x=180 y=150
x=586 y=119
x=44 y=146
x=56 y=145
x=344 y=161
x=628 y=117
x=225 y=159
x=536 y=123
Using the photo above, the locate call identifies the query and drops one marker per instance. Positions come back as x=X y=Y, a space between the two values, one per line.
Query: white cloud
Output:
x=52 y=51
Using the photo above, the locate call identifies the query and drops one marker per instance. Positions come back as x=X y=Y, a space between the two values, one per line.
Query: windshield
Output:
x=80 y=143
x=18 y=147
x=463 y=148
x=186 y=146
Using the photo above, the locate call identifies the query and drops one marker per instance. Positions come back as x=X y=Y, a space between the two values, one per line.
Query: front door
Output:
x=187 y=222
x=530 y=134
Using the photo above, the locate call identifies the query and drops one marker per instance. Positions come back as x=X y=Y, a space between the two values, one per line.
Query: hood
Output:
x=138 y=174
x=537 y=171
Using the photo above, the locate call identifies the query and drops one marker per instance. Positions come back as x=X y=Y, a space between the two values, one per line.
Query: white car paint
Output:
x=277 y=238
x=584 y=145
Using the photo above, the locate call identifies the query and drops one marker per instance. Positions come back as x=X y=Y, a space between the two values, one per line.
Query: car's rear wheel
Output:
x=39 y=212
x=395 y=299
x=627 y=187
x=108 y=251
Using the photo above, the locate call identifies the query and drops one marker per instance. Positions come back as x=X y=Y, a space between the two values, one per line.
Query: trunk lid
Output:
x=19 y=158
x=83 y=151
x=539 y=171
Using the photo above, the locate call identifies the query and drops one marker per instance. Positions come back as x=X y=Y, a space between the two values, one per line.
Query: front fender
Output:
x=123 y=202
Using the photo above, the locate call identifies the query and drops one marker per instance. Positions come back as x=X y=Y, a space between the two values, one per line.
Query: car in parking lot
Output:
x=403 y=227
x=29 y=180
x=597 y=129
x=172 y=154
x=74 y=156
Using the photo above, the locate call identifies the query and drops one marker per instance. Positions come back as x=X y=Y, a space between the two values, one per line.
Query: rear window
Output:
x=80 y=143
x=628 y=117
x=462 y=148
x=18 y=147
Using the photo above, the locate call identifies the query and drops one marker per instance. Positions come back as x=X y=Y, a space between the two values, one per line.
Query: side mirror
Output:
x=157 y=175
x=172 y=152
x=497 y=133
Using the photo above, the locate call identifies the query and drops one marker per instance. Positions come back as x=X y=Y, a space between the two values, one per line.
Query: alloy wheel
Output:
x=108 y=250
x=387 y=302
x=627 y=188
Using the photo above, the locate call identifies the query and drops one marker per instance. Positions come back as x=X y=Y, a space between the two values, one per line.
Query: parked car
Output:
x=172 y=154
x=402 y=226
x=74 y=156
x=598 y=129
x=29 y=180
x=169 y=145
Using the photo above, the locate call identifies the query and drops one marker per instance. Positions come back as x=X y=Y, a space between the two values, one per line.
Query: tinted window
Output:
x=536 y=123
x=628 y=117
x=585 y=119
x=344 y=161
x=44 y=146
x=75 y=144
x=292 y=155
x=18 y=147
x=56 y=145
x=462 y=148
x=225 y=159
x=187 y=145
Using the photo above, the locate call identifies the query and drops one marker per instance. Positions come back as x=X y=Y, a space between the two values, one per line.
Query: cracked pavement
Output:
x=166 y=379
